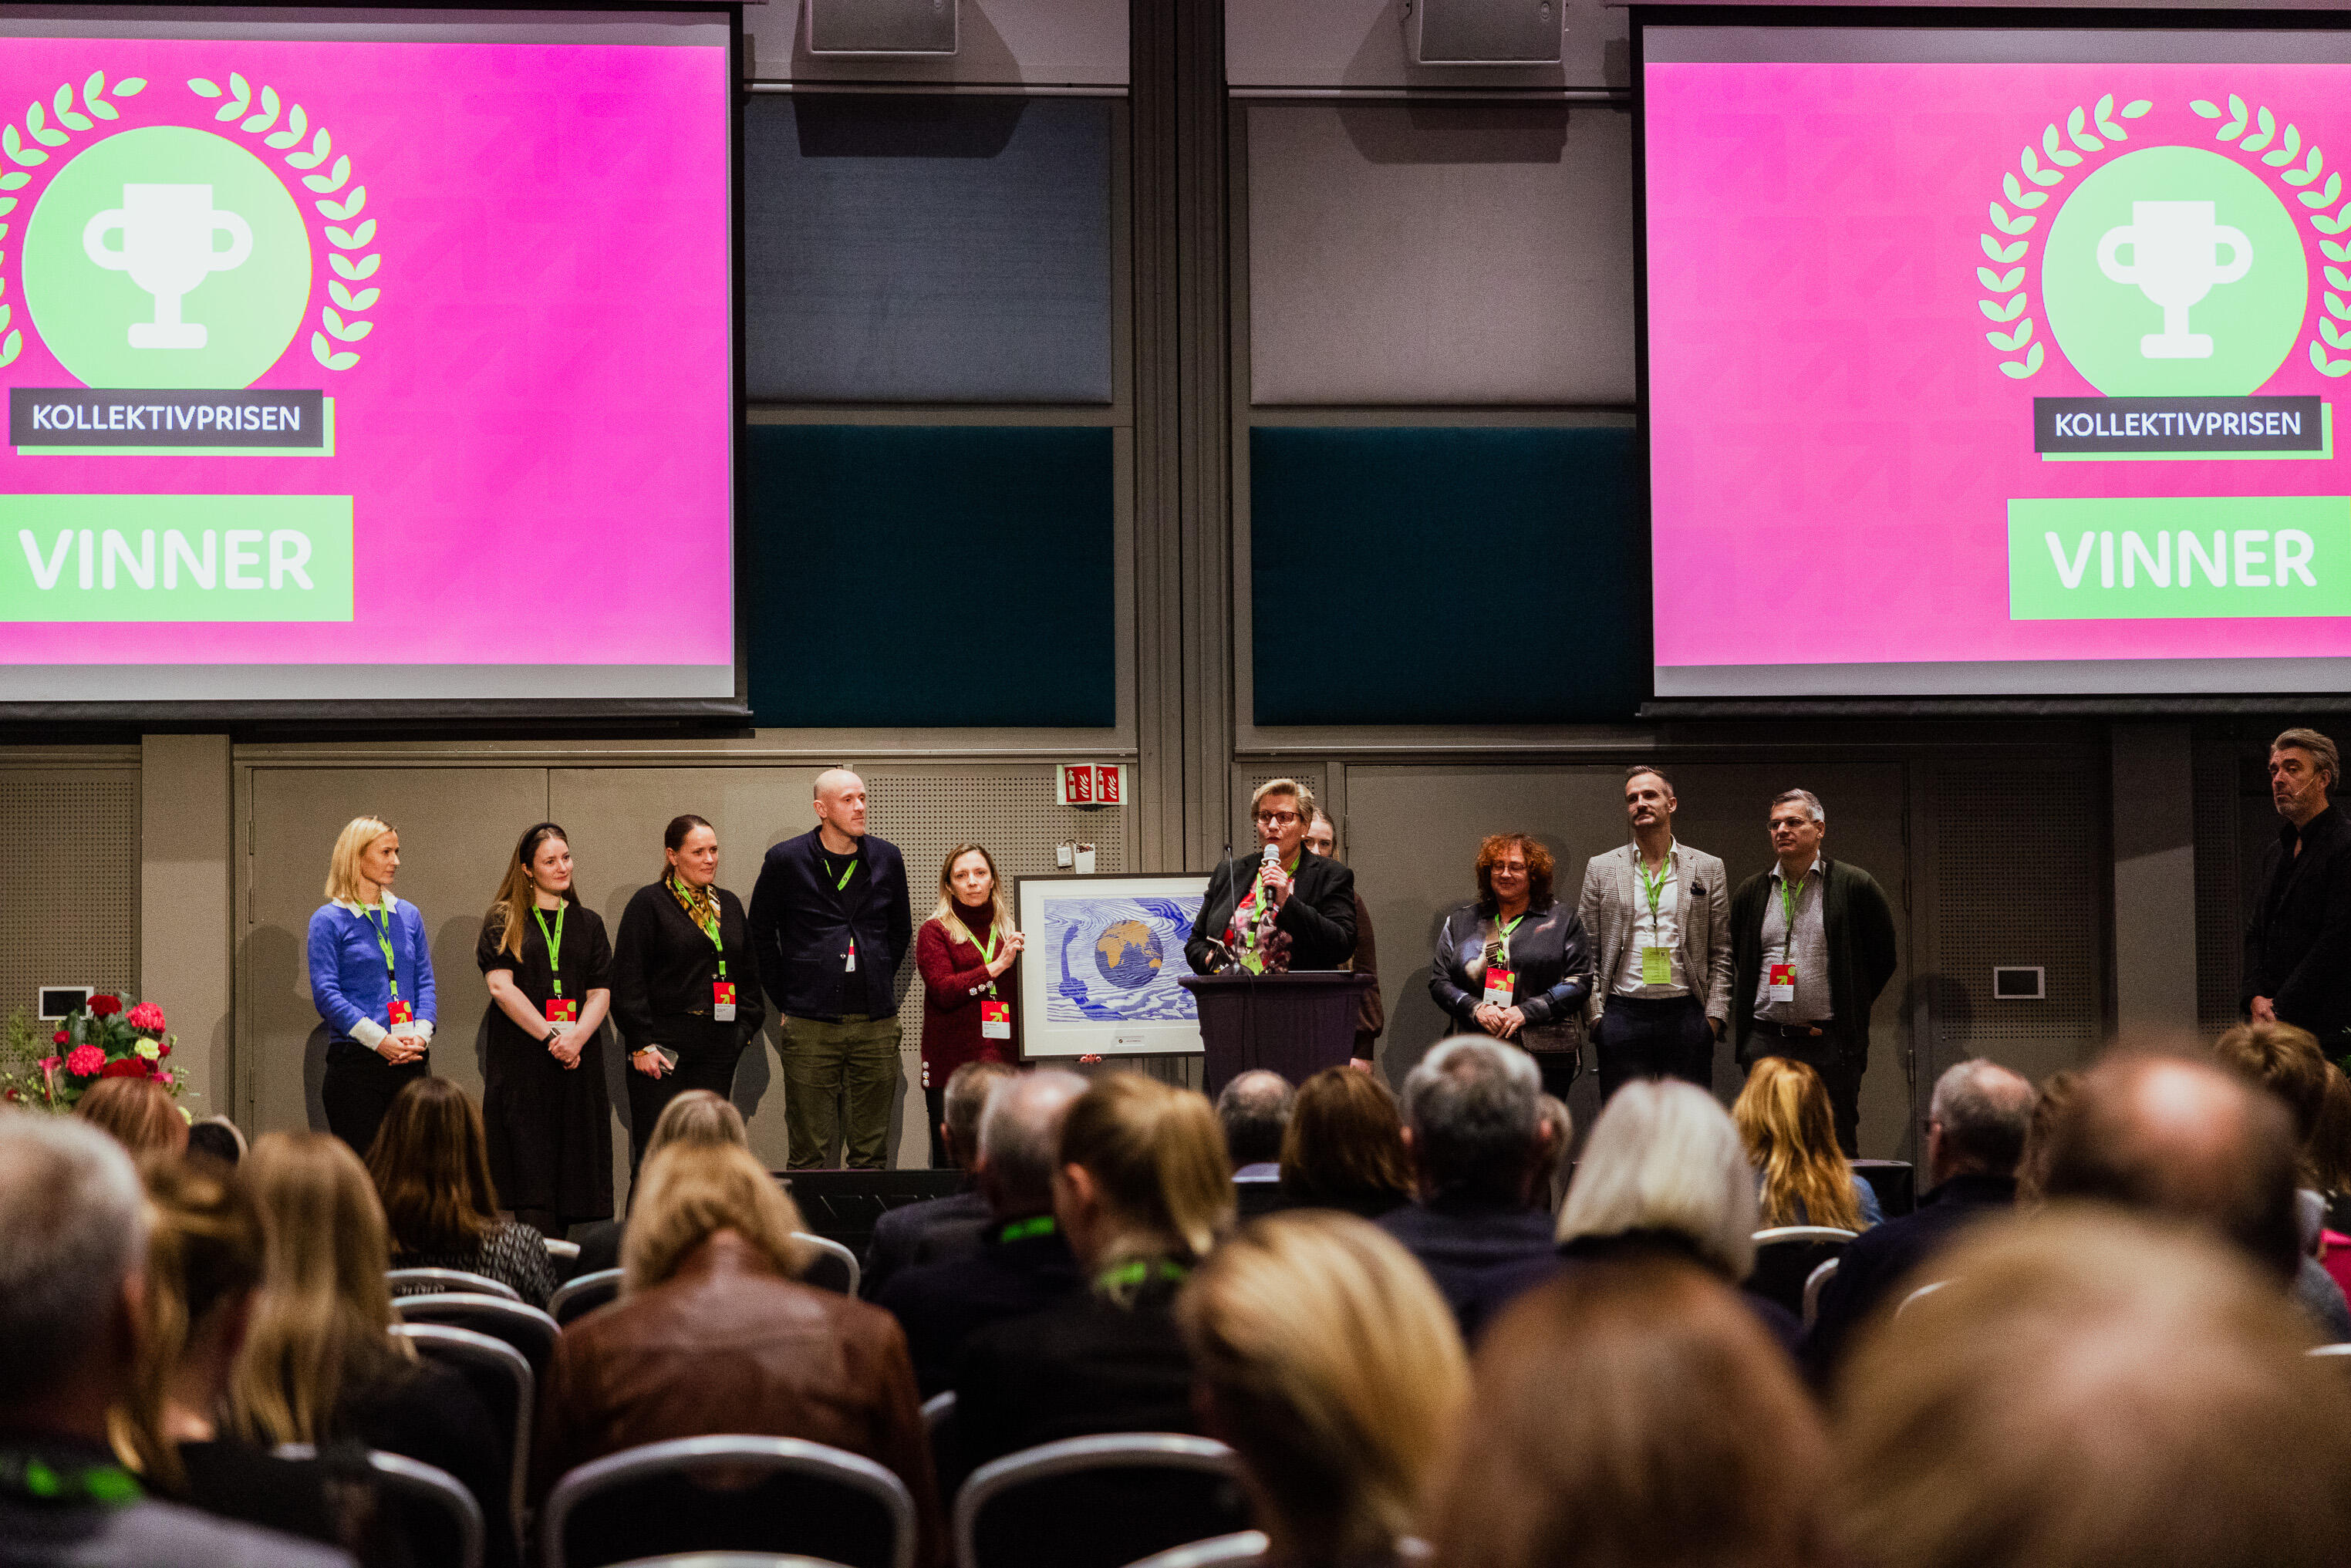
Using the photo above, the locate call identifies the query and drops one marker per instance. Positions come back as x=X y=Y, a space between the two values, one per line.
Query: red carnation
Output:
x=105 y=1006
x=127 y=1066
x=61 y=1037
x=85 y=1060
x=148 y=1017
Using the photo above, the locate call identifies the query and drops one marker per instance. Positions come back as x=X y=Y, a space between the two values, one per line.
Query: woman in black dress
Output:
x=543 y=1103
x=685 y=987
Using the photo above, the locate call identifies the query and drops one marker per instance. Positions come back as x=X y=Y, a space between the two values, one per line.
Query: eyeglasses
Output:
x=1279 y=819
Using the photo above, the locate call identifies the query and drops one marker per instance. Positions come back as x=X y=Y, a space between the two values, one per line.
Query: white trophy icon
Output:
x=2175 y=261
x=167 y=248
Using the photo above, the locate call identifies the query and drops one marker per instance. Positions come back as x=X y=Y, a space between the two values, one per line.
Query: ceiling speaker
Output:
x=883 y=27
x=1482 y=32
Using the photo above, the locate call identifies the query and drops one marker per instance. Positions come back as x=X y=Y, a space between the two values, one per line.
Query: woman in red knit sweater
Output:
x=963 y=950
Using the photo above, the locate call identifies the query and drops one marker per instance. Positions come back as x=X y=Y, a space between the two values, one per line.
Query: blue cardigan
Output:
x=347 y=978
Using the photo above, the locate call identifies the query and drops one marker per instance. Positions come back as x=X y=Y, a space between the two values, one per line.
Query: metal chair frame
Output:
x=427 y=1483
x=545 y=1329
x=585 y=1285
x=1803 y=1233
x=451 y=1281
x=730 y=1560
x=938 y=1411
x=1920 y=1294
x=461 y=1344
x=1218 y=1551
x=1074 y=1456
x=2329 y=1350
x=558 y=1247
x=1814 y=1282
x=684 y=1455
x=834 y=1249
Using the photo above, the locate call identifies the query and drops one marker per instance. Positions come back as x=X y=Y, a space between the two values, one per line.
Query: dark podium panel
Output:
x=1295 y=1024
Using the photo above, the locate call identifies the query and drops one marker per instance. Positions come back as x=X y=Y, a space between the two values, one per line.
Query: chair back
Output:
x=1918 y=1295
x=1219 y=1552
x=561 y=1251
x=729 y=1494
x=834 y=1267
x=432 y=1508
x=730 y=1560
x=499 y=1373
x=584 y=1295
x=1814 y=1283
x=527 y=1329
x=1785 y=1257
x=442 y=1281
x=2329 y=1350
x=1139 y=1493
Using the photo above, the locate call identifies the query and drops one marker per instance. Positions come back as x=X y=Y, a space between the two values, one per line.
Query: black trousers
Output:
x=648 y=1097
x=359 y=1087
x=1840 y=1064
x=1653 y=1037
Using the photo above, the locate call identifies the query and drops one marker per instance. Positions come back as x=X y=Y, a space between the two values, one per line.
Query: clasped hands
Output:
x=1501 y=1022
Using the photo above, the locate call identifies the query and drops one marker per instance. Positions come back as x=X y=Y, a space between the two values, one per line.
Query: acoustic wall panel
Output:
x=69 y=882
x=1440 y=253
x=933 y=575
x=927 y=248
x=1445 y=576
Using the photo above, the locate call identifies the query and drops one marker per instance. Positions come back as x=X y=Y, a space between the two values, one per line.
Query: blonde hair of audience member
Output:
x=431 y=1166
x=2330 y=1146
x=1783 y=1119
x=138 y=1112
x=1142 y=1176
x=692 y=1191
x=321 y=1326
x=2284 y=1059
x=2092 y=1390
x=1664 y=1157
x=204 y=1260
x=1325 y=1357
x=698 y=1116
x=344 y=878
x=1344 y=1141
x=2056 y=1092
x=1635 y=1414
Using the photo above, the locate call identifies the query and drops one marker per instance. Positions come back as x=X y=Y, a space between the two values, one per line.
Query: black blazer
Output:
x=1319 y=917
x=1083 y=1366
x=801 y=925
x=1550 y=959
x=663 y=967
x=2298 y=942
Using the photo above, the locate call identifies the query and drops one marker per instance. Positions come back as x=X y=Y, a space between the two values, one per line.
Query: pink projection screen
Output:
x=1996 y=363
x=365 y=357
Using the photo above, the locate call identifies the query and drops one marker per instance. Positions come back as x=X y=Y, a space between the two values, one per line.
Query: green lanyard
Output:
x=554 y=943
x=709 y=928
x=1128 y=1275
x=841 y=884
x=1036 y=1224
x=1503 y=936
x=110 y=1485
x=1789 y=893
x=382 y=934
x=1656 y=888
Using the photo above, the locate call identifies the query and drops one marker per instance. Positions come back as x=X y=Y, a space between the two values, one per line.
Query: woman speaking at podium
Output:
x=372 y=980
x=1286 y=908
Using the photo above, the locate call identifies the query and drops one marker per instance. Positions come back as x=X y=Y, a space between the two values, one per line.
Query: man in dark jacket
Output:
x=1287 y=909
x=2298 y=941
x=830 y=923
x=1975 y=1137
x=946 y=1227
x=1811 y=945
x=1474 y=1124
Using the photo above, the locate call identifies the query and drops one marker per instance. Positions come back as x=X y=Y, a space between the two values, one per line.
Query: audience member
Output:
x=1475 y=1132
x=1663 y=1173
x=1801 y=1177
x=2090 y=1392
x=1324 y=1359
x=713 y=1333
x=73 y=1232
x=1631 y=1414
x=1975 y=1137
x=695 y=1116
x=1142 y=1193
x=431 y=1166
x=1254 y=1110
x=2184 y=1140
x=1343 y=1147
x=1558 y=1137
x=1023 y=1262
x=939 y=1226
x=2049 y=1103
x=217 y=1138
x=2285 y=1060
x=138 y=1112
x=320 y=1364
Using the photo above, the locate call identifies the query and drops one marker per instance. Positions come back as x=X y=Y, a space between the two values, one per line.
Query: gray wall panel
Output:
x=1440 y=254
x=69 y=871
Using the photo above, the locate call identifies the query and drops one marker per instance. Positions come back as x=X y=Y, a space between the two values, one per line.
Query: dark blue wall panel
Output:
x=931 y=576
x=1445 y=577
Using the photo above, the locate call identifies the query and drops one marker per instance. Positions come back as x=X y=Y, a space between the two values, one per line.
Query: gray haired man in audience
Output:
x=73 y=1240
x=1481 y=1148
x=938 y=1227
x=1254 y=1110
x=1975 y=1135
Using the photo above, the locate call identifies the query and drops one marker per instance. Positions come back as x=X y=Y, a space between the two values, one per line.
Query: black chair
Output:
x=443 y=1281
x=729 y=1494
x=430 y=1506
x=527 y=1329
x=583 y=1295
x=1139 y=1493
x=1786 y=1256
x=499 y=1373
x=834 y=1267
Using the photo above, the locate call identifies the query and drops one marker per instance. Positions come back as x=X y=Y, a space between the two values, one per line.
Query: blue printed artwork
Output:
x=1113 y=960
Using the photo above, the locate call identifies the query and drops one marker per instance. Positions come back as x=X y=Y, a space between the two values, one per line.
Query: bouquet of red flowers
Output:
x=102 y=1039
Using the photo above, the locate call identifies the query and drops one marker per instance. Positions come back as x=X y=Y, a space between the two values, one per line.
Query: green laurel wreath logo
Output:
x=2264 y=129
x=2010 y=254
x=38 y=126
x=341 y=317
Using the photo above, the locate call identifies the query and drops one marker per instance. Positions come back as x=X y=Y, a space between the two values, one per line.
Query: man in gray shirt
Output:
x=1812 y=946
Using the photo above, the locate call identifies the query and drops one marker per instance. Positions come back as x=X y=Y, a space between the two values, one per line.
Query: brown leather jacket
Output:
x=728 y=1345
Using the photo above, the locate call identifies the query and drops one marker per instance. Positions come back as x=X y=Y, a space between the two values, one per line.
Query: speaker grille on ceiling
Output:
x=69 y=885
x=883 y=27
x=1482 y=32
x=2017 y=883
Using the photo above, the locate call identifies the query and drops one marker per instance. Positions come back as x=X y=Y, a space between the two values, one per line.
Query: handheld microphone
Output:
x=1272 y=855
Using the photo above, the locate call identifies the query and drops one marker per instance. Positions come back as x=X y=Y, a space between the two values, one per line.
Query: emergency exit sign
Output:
x=1094 y=784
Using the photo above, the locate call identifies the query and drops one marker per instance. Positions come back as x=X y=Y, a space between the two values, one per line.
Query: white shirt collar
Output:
x=1807 y=871
x=391 y=905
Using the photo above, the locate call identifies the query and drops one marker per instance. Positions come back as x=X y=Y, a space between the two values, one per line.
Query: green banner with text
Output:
x=2178 y=557
x=130 y=559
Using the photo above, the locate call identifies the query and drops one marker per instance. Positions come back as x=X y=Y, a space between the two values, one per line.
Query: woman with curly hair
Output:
x=1513 y=961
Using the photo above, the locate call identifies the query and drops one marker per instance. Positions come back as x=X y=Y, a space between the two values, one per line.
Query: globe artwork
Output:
x=1128 y=953
x=1115 y=960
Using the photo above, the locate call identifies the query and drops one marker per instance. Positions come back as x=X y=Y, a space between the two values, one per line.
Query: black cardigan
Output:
x=1320 y=917
x=663 y=967
x=2298 y=951
x=1859 y=925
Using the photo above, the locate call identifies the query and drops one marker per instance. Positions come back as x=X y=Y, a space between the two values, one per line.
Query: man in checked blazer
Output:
x=1657 y=915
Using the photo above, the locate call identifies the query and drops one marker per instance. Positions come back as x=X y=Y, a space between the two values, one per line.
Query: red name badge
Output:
x=996 y=1020
x=1502 y=985
x=722 y=1001
x=1783 y=981
x=401 y=1012
x=563 y=1010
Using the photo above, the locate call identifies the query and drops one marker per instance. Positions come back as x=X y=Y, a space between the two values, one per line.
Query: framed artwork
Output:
x=1098 y=977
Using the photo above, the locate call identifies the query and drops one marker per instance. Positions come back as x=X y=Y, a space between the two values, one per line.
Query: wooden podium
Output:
x=1295 y=1024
